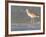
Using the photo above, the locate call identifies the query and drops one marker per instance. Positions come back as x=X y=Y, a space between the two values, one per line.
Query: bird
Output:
x=32 y=15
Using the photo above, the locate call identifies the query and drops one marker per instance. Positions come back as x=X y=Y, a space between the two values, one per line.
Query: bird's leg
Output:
x=33 y=20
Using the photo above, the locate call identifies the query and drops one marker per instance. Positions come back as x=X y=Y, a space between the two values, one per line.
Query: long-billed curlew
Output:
x=31 y=15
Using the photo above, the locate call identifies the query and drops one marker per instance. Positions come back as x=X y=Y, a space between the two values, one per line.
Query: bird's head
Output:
x=27 y=10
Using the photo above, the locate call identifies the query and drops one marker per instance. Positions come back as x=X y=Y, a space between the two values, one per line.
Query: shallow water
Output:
x=24 y=26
